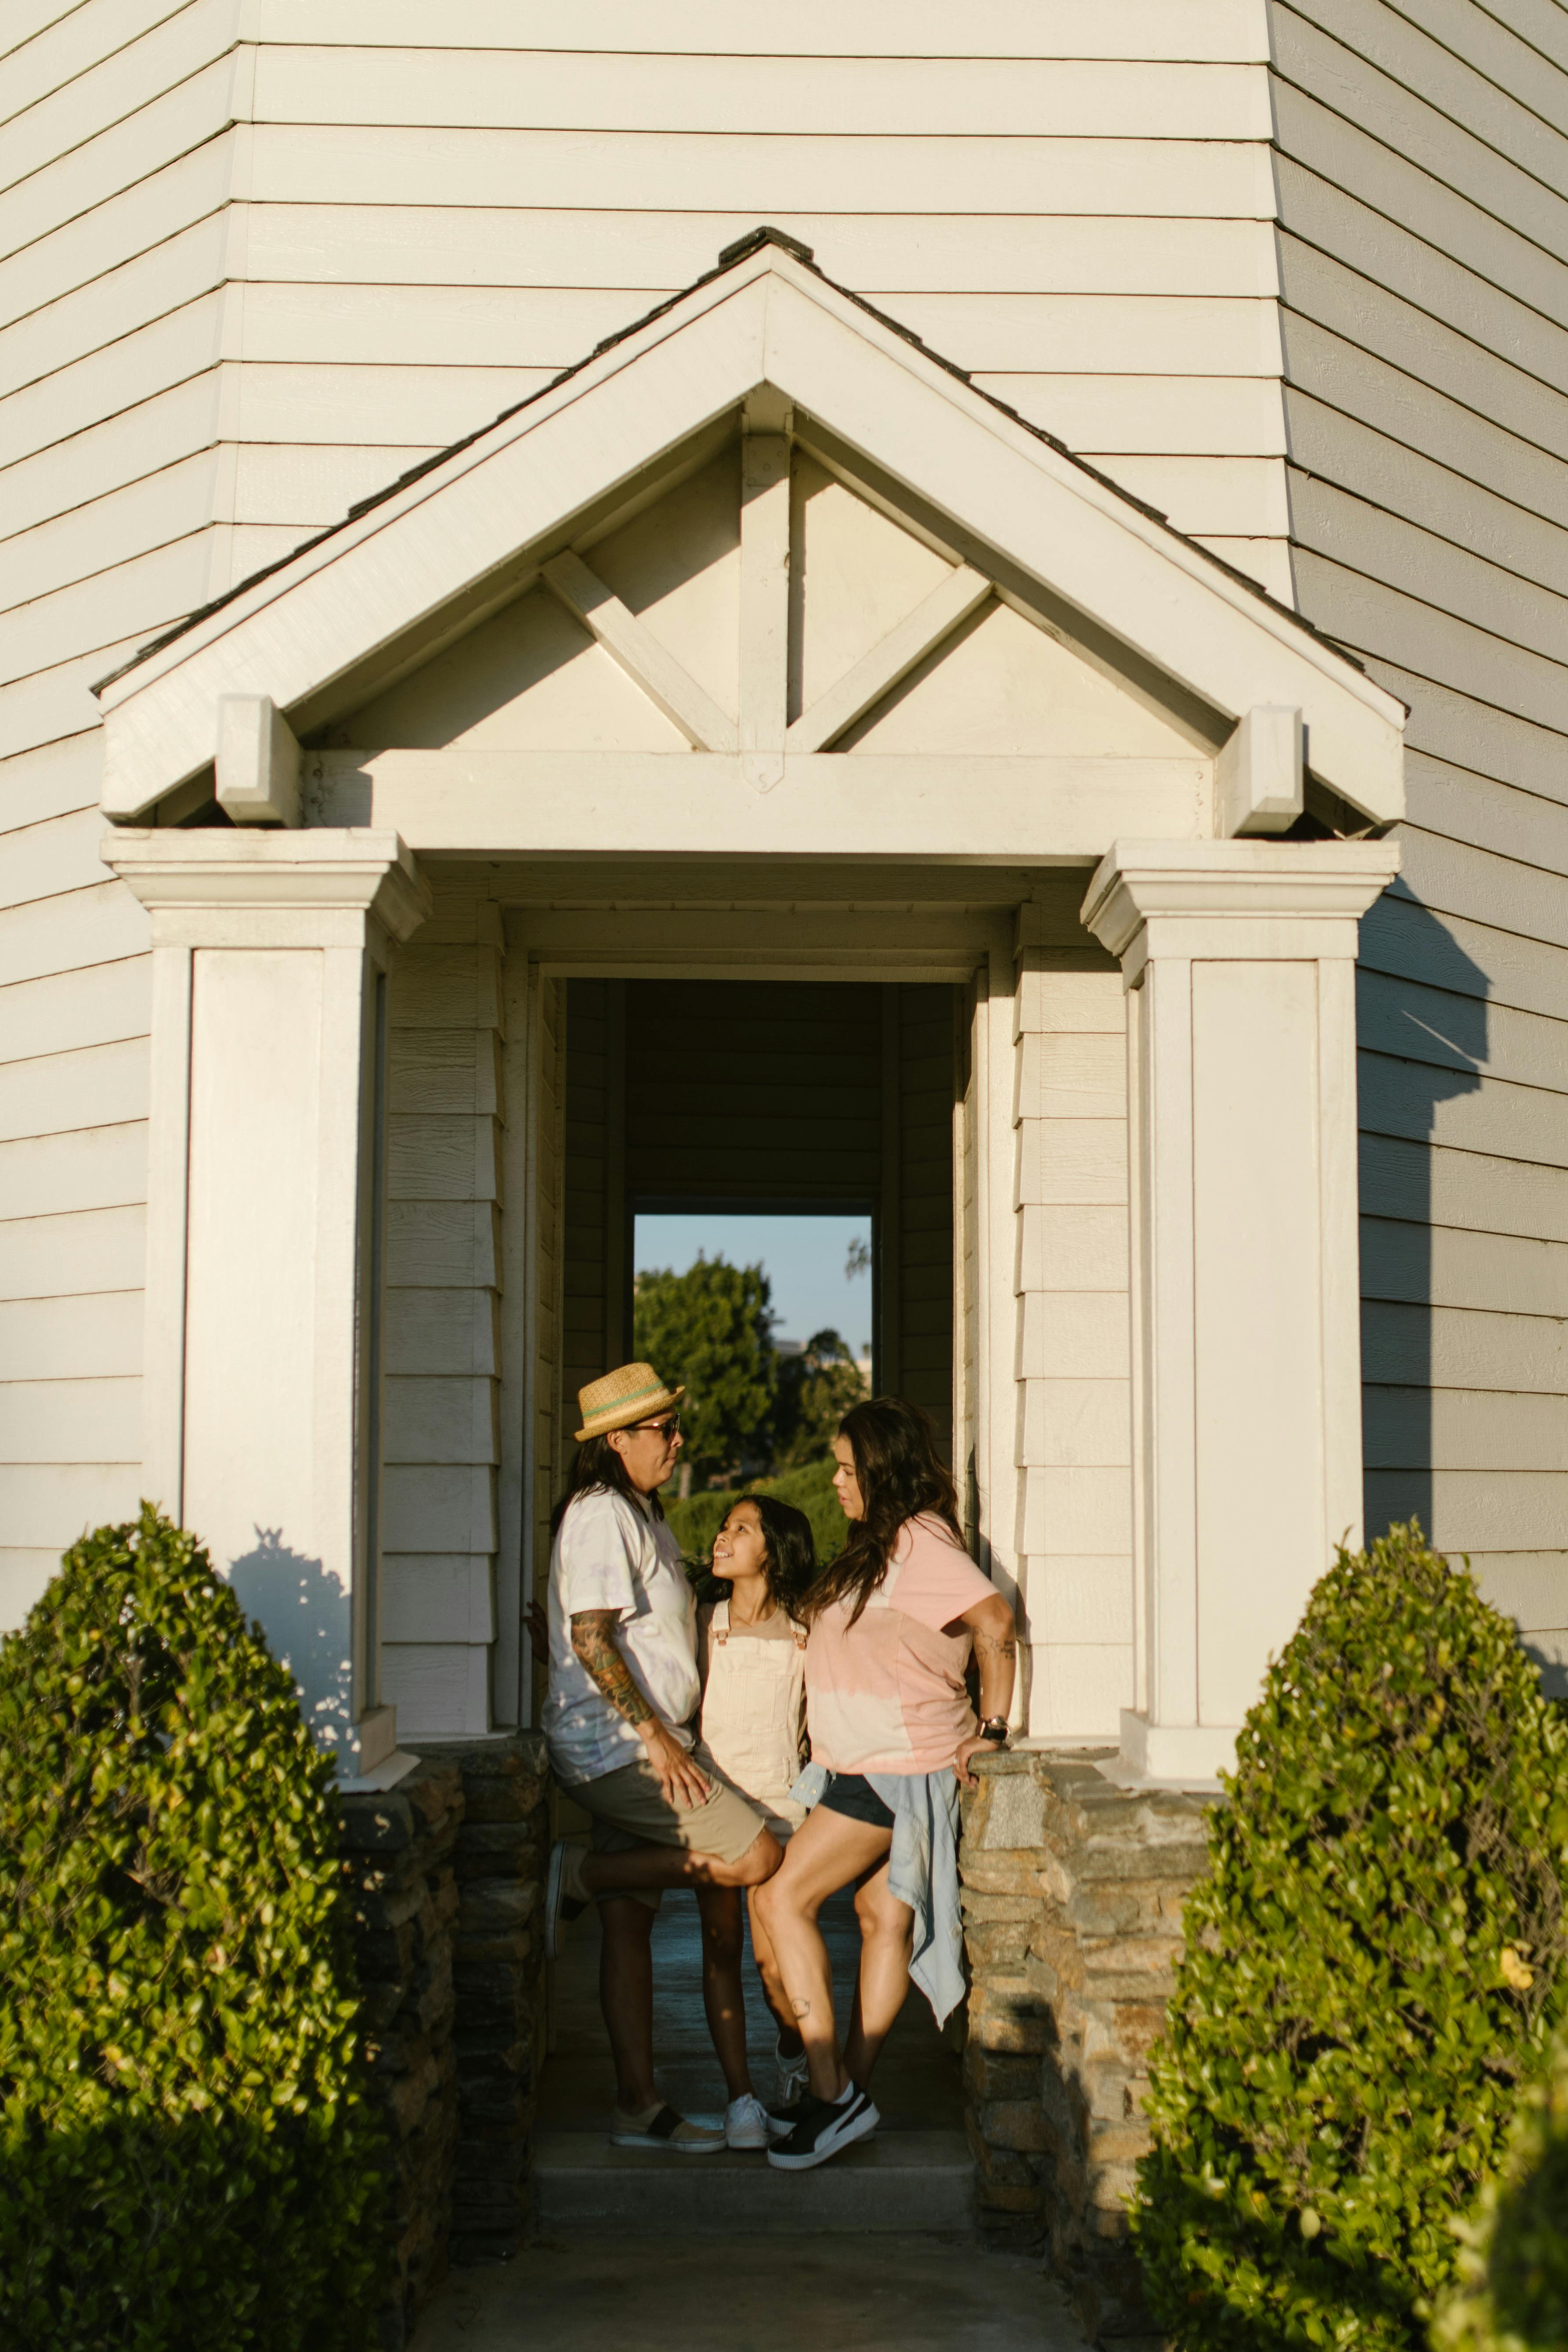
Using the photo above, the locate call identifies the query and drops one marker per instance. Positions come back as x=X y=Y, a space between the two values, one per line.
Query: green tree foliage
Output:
x=1373 y=1967
x=817 y=1389
x=1513 y=2259
x=187 y=2161
x=710 y=1331
x=698 y=1520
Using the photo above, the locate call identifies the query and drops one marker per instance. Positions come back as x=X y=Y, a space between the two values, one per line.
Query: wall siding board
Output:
x=773 y=96
x=655 y=253
x=1222 y=31
x=1425 y=383
x=115 y=161
x=62 y=1251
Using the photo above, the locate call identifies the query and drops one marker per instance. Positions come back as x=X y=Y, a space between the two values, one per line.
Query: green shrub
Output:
x=696 y=1521
x=1513 y=2259
x=186 y=2157
x=1372 y=1966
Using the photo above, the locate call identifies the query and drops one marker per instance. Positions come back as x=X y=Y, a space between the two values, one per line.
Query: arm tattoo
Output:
x=997 y=1646
x=593 y=1641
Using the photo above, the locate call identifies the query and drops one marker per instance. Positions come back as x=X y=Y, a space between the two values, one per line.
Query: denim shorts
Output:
x=851 y=1794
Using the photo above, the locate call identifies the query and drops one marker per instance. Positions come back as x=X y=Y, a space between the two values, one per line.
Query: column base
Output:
x=374 y=1738
x=1187 y=1755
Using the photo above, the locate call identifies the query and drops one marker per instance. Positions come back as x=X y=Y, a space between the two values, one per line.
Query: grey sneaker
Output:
x=789 y=2080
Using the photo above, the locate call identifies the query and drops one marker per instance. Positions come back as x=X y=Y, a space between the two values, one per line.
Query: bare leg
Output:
x=626 y=1997
x=830 y=1852
x=723 y=1995
x=886 y=1936
x=773 y=1991
x=671 y=1866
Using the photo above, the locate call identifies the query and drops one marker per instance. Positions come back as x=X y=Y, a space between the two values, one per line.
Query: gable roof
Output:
x=765 y=315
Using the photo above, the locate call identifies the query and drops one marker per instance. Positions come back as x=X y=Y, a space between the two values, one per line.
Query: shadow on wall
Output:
x=1422 y=1030
x=305 y=1616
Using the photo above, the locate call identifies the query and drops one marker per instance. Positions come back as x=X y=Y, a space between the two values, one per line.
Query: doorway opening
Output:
x=717 y=1104
x=775 y=1123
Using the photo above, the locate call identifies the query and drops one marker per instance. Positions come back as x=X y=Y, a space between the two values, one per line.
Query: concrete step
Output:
x=900 y=2180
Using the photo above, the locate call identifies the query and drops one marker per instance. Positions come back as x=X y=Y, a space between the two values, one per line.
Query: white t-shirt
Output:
x=611 y=1554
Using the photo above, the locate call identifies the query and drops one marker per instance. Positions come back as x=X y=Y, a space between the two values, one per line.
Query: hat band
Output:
x=615 y=1404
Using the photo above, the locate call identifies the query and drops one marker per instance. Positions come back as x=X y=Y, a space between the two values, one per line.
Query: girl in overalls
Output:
x=751 y=1653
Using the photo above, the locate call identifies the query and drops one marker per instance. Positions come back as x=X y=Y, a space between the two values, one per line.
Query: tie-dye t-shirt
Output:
x=887 y=1695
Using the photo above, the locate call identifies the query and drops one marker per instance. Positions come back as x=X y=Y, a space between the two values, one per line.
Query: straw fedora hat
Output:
x=636 y=1392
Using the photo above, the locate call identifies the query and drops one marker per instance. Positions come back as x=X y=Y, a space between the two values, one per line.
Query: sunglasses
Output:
x=665 y=1429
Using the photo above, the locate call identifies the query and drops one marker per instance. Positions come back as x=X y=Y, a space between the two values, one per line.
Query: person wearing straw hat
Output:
x=618 y=1720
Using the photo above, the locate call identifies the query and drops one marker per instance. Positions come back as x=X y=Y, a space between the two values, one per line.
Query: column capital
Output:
x=215 y=886
x=1228 y=899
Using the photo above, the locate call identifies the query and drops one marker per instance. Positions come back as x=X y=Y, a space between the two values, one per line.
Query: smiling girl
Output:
x=751 y=1658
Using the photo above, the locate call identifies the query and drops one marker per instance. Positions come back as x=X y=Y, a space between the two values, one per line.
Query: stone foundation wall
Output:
x=398 y=1850
x=1073 y=1891
x=446 y=1870
x=498 y=1962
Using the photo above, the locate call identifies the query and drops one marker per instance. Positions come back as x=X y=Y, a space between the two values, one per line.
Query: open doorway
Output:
x=730 y=1113
x=806 y=1128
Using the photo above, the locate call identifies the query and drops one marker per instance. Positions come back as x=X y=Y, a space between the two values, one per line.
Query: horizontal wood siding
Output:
x=1423 y=212
x=1073 y=1427
x=116 y=167
x=446 y=1113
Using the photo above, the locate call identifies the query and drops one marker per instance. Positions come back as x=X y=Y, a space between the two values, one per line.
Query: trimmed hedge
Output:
x=1373 y=1966
x=186 y=2155
x=1514 y=2256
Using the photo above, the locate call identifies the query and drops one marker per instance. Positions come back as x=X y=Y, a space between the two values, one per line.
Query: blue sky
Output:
x=804 y=1257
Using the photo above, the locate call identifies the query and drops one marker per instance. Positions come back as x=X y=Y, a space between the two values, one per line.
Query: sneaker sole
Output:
x=746 y=2146
x=862 y=2127
x=668 y=2146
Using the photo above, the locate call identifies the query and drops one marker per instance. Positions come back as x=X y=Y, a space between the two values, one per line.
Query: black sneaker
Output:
x=822 y=2129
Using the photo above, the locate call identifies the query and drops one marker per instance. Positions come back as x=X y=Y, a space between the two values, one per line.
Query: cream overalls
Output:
x=754 y=1717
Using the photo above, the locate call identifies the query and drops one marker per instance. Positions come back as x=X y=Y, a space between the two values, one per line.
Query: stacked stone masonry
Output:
x=445 y=1875
x=499 y=1958
x=399 y=1851
x=1073 y=1891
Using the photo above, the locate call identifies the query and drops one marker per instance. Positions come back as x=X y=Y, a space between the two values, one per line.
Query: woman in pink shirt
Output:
x=894 y=1620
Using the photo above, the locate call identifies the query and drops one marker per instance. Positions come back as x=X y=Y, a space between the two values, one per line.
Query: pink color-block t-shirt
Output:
x=887 y=1695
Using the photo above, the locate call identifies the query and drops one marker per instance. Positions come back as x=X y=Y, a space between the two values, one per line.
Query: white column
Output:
x=1238 y=960
x=262 y=1383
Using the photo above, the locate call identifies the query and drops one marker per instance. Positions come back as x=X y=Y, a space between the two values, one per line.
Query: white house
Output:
x=479 y=607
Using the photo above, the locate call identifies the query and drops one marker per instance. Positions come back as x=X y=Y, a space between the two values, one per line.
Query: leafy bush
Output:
x=186 y=2155
x=1373 y=1965
x=817 y=1389
x=697 y=1520
x=1514 y=2256
x=710 y=1331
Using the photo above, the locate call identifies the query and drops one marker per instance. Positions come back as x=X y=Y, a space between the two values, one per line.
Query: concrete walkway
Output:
x=875 y=2252
x=882 y=2294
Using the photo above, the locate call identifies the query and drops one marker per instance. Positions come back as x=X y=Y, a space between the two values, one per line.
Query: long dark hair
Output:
x=598 y=1467
x=900 y=1476
x=789 y=1549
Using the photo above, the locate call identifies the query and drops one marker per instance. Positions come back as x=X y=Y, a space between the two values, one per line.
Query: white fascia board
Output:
x=1142 y=582
x=768 y=319
x=331 y=608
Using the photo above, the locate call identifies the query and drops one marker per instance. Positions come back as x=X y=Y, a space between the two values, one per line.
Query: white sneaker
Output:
x=746 y=2124
x=790 y=2079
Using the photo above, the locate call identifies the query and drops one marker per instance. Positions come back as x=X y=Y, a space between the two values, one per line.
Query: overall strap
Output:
x=719 y=1624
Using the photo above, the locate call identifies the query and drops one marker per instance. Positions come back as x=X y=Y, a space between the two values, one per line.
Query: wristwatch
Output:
x=995 y=1729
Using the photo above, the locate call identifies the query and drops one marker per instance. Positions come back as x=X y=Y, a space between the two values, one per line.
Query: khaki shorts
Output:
x=630 y=1808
